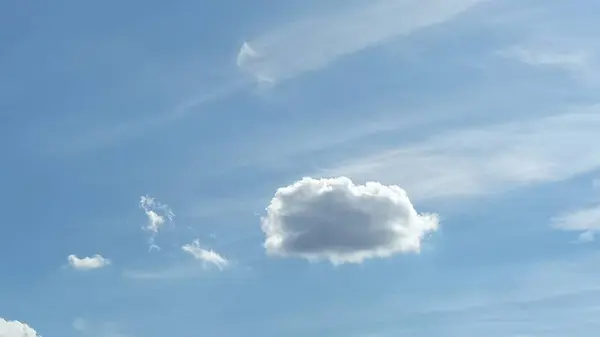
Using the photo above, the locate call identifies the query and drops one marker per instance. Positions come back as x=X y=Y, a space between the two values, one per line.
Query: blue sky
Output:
x=299 y=168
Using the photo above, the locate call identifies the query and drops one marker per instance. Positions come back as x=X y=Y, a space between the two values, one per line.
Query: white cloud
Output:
x=208 y=257
x=87 y=263
x=315 y=42
x=577 y=62
x=336 y=220
x=16 y=329
x=573 y=60
x=487 y=160
x=586 y=221
x=157 y=213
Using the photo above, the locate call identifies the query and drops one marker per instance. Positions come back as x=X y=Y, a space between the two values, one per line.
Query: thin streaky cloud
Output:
x=486 y=160
x=121 y=132
x=585 y=221
x=314 y=42
x=578 y=62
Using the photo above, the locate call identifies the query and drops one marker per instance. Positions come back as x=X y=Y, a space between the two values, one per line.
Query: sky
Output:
x=294 y=168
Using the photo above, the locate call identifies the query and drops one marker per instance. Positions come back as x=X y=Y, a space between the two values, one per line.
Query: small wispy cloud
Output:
x=95 y=261
x=207 y=256
x=585 y=221
x=572 y=60
x=157 y=214
x=315 y=42
x=578 y=63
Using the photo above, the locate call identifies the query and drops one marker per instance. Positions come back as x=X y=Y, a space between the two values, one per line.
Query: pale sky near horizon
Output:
x=415 y=168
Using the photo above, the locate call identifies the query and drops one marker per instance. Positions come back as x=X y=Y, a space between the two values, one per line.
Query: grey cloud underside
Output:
x=317 y=232
x=335 y=220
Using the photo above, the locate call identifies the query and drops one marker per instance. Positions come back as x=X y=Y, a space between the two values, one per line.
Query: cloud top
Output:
x=336 y=220
x=16 y=329
x=88 y=263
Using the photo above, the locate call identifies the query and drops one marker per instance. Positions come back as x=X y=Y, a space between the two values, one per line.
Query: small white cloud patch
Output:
x=208 y=257
x=336 y=220
x=16 y=329
x=87 y=263
x=585 y=221
x=544 y=57
x=157 y=214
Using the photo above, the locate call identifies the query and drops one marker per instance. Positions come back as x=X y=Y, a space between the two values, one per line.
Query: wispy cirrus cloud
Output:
x=481 y=301
x=489 y=159
x=308 y=44
x=586 y=221
x=314 y=42
x=126 y=130
x=578 y=61
x=572 y=60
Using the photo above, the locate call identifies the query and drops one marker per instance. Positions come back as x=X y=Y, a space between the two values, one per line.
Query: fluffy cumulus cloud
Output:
x=157 y=214
x=16 y=329
x=89 y=262
x=207 y=256
x=339 y=221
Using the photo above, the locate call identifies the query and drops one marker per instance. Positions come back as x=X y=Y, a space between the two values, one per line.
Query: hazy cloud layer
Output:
x=89 y=328
x=336 y=220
